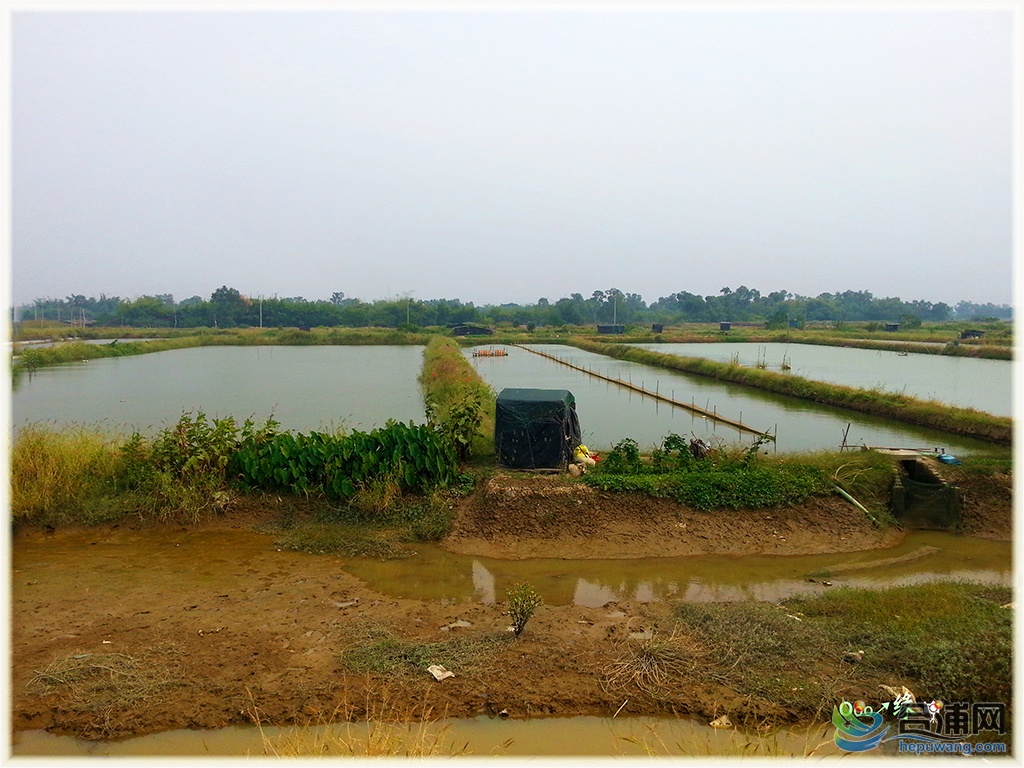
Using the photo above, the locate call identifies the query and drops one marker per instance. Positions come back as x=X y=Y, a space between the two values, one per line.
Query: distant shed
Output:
x=465 y=329
x=657 y=327
x=892 y=326
x=617 y=328
x=724 y=326
x=971 y=333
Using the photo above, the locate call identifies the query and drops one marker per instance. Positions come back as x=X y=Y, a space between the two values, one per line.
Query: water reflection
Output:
x=473 y=737
x=435 y=574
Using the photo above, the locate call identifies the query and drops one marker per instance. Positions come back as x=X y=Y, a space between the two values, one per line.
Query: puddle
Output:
x=434 y=574
x=189 y=559
x=478 y=737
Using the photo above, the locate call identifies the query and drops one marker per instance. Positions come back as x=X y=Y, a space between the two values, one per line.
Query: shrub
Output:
x=522 y=601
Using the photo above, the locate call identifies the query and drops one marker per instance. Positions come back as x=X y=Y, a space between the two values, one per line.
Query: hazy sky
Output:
x=507 y=155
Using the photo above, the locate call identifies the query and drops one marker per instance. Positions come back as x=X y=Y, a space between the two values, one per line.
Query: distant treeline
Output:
x=228 y=308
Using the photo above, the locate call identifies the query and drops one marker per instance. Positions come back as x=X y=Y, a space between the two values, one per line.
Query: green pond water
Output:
x=306 y=389
x=329 y=387
x=967 y=382
x=608 y=412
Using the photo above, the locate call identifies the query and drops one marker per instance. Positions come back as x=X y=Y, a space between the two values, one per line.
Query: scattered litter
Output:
x=794 y=617
x=721 y=722
x=590 y=623
x=439 y=672
x=456 y=625
x=904 y=693
x=1008 y=605
x=345 y=604
x=106 y=642
x=645 y=634
x=203 y=633
x=503 y=714
x=853 y=656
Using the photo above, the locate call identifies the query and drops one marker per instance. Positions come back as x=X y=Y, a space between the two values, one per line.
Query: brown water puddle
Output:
x=189 y=559
x=476 y=737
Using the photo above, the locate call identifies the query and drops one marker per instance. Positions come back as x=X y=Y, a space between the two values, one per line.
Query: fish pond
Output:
x=361 y=387
x=304 y=388
x=609 y=412
x=985 y=385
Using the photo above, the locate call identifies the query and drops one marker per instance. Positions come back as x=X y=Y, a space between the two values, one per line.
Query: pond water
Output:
x=964 y=381
x=304 y=388
x=608 y=413
x=357 y=387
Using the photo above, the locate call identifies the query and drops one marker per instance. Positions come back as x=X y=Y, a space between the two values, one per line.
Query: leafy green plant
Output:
x=522 y=601
x=338 y=466
x=622 y=459
x=461 y=423
x=727 y=479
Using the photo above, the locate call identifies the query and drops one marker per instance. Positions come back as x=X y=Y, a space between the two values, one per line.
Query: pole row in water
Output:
x=713 y=415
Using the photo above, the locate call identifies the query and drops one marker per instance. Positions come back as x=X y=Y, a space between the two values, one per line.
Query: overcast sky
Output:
x=507 y=155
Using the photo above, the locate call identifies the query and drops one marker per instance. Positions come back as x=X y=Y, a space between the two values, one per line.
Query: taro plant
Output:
x=522 y=601
x=338 y=466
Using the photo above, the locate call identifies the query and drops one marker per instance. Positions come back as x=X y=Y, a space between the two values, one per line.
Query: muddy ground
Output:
x=120 y=658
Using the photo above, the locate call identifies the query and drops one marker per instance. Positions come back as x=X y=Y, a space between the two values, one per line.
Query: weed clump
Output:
x=720 y=478
x=522 y=601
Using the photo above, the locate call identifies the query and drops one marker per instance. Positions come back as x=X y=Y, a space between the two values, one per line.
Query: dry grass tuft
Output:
x=110 y=690
x=381 y=727
x=655 y=665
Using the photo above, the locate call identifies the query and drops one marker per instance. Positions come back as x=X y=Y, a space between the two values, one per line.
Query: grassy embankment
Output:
x=942 y=641
x=457 y=399
x=954 y=420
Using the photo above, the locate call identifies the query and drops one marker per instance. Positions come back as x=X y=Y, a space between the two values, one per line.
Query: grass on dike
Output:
x=944 y=641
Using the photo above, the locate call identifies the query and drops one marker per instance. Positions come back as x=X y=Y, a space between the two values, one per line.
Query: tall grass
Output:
x=62 y=475
x=927 y=413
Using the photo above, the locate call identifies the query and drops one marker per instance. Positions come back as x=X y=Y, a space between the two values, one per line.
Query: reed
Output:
x=943 y=417
x=62 y=475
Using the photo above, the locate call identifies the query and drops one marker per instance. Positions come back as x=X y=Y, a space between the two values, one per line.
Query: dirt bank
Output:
x=140 y=649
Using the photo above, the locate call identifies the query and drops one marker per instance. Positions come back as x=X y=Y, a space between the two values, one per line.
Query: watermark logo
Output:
x=920 y=727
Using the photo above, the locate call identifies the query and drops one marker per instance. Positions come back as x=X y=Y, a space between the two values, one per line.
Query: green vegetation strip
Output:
x=459 y=403
x=927 y=413
x=742 y=478
x=944 y=641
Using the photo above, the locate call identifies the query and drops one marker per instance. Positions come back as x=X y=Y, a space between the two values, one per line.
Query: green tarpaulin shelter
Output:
x=535 y=428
